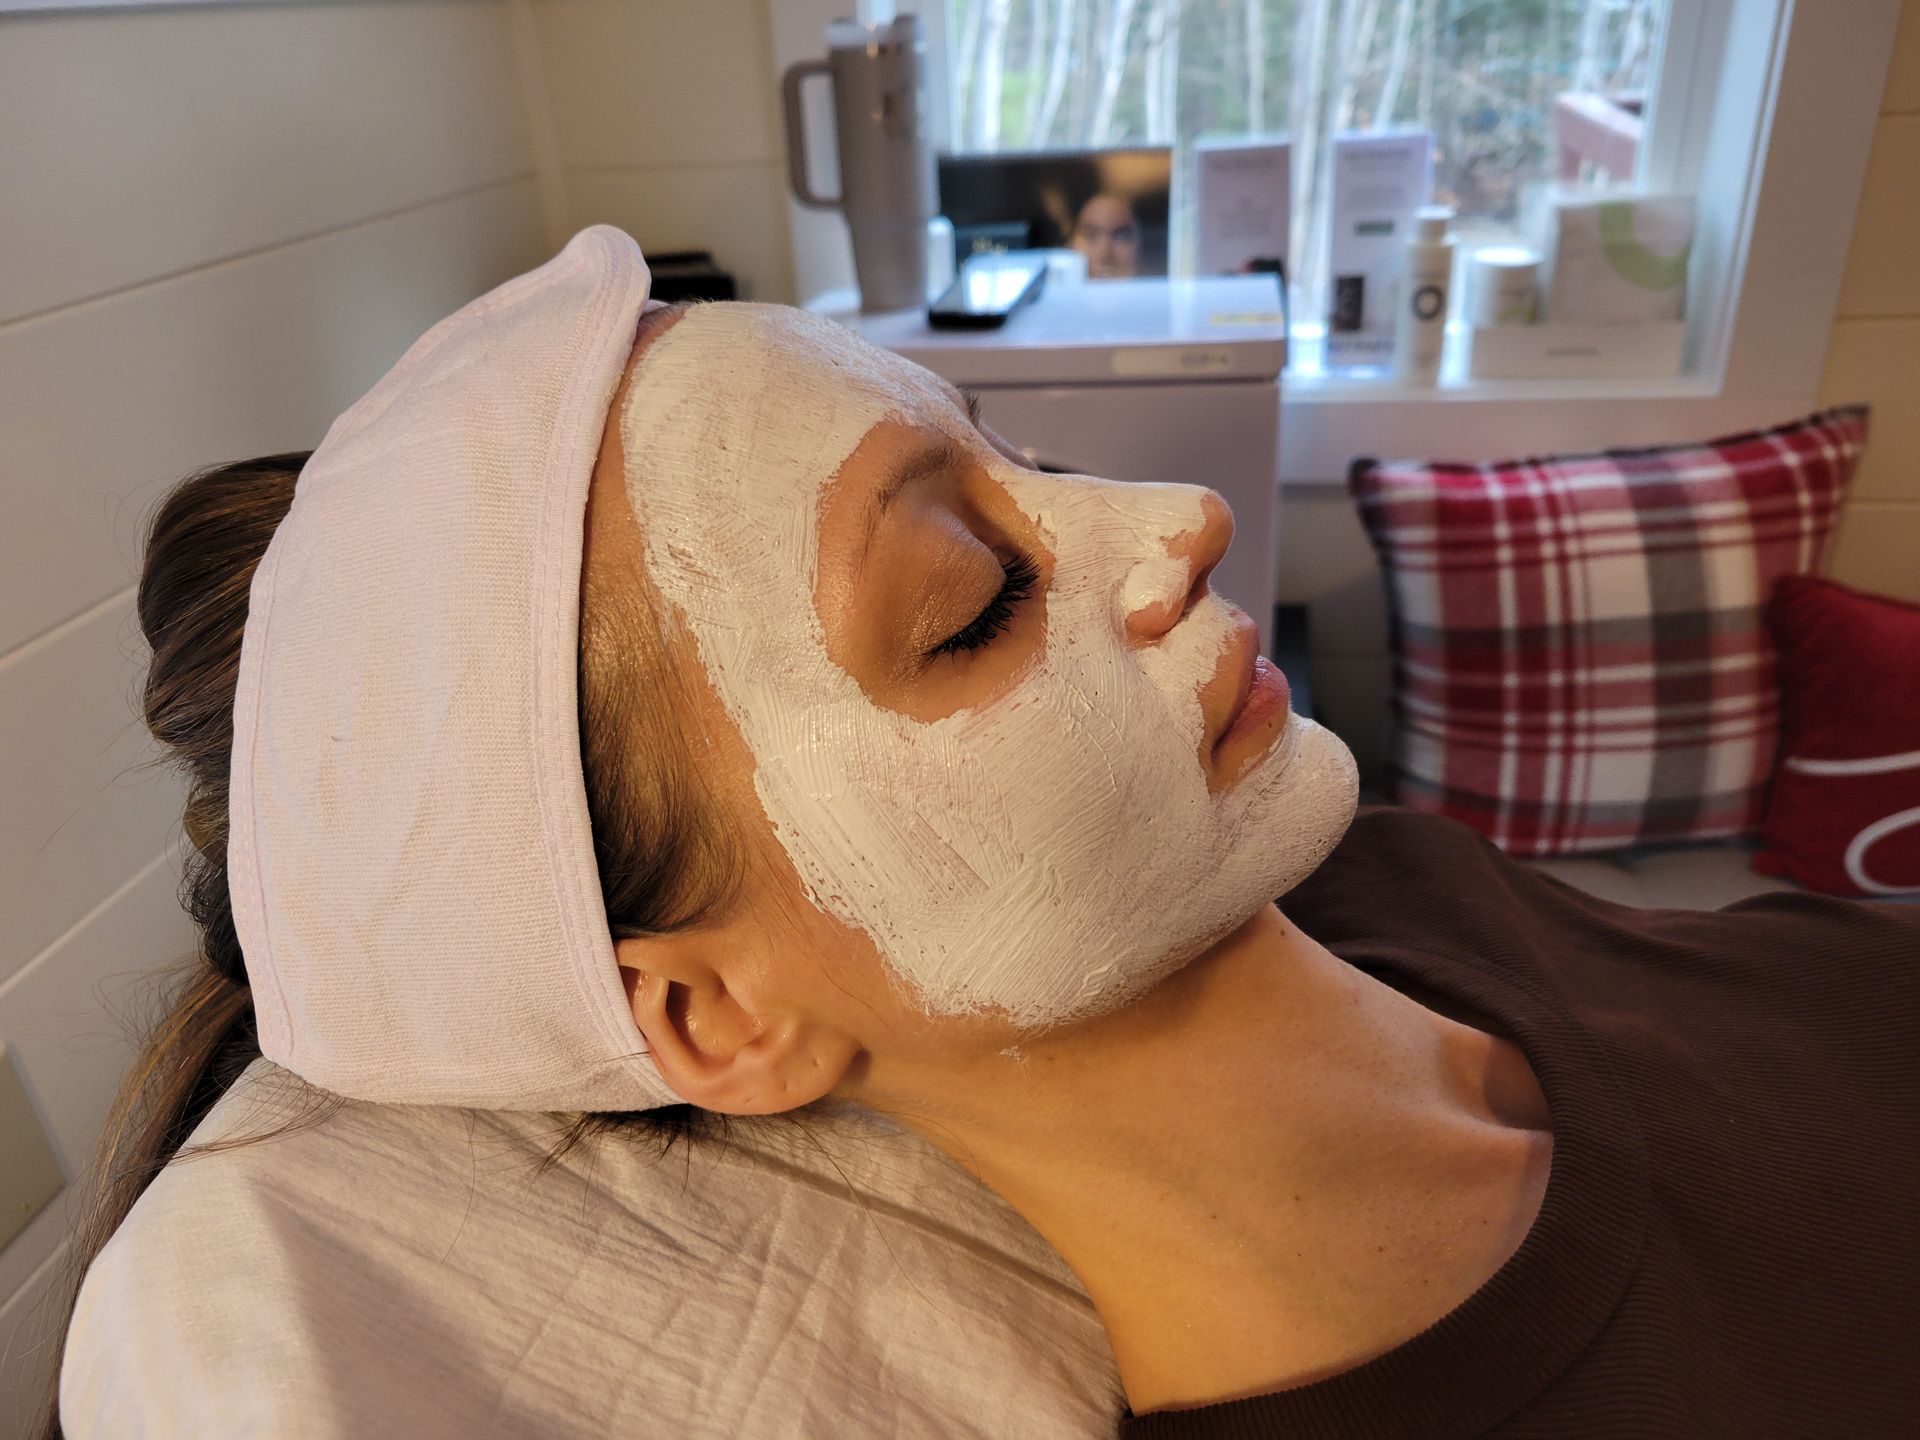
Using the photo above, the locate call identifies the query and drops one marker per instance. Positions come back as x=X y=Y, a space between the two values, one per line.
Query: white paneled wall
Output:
x=221 y=225
x=1875 y=352
x=668 y=126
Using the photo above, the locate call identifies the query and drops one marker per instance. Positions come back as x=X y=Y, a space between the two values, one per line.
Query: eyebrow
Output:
x=929 y=459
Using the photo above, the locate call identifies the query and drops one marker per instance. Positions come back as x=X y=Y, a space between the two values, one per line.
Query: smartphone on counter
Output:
x=989 y=289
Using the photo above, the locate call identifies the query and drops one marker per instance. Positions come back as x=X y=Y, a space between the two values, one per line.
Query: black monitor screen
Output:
x=1111 y=205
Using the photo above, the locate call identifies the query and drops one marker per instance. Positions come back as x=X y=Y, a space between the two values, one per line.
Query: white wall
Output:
x=1874 y=354
x=221 y=225
x=667 y=124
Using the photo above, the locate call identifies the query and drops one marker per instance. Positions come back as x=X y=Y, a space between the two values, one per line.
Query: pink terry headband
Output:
x=411 y=862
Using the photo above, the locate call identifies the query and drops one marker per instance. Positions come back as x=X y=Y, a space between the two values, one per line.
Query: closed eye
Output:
x=1020 y=578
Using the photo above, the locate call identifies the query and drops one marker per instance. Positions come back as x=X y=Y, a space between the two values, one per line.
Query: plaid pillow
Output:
x=1580 y=656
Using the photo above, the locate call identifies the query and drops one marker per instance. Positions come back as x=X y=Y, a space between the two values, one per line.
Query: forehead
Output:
x=751 y=359
x=739 y=417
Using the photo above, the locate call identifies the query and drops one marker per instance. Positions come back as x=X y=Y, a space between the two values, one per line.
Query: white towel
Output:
x=411 y=862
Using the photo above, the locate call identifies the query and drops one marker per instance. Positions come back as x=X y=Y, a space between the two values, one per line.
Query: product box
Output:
x=1619 y=260
x=1244 y=203
x=1576 y=352
x=1380 y=177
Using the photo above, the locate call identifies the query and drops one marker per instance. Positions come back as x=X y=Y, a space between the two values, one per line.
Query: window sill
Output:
x=1328 y=421
x=1307 y=379
x=1304 y=387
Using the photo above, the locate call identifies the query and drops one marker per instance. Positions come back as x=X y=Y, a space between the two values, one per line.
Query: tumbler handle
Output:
x=790 y=83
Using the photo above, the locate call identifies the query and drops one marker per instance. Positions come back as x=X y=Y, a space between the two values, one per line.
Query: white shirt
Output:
x=397 y=1270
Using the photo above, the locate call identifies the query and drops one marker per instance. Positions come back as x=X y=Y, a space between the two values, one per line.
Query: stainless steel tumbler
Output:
x=887 y=189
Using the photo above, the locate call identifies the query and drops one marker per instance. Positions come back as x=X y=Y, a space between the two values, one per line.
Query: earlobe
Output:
x=718 y=1056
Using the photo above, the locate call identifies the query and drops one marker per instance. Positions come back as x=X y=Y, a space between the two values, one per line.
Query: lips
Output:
x=1226 y=696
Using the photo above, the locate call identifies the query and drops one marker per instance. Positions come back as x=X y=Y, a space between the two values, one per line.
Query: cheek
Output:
x=802 y=943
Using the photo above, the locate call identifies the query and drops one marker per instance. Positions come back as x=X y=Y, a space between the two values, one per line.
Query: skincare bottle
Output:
x=1421 y=334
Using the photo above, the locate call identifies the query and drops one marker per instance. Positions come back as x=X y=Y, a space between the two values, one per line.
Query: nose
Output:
x=1193 y=553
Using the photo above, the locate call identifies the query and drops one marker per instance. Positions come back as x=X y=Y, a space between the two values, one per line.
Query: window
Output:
x=1763 y=110
x=1516 y=93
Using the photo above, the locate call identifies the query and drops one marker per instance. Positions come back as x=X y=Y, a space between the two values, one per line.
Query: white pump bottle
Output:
x=1425 y=298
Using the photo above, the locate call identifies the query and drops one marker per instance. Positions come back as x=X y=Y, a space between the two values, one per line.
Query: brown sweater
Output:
x=1730 y=1239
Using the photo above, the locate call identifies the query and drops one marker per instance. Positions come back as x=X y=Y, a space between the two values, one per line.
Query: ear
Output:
x=715 y=1051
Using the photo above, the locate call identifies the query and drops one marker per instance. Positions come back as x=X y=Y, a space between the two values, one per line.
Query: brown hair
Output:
x=665 y=860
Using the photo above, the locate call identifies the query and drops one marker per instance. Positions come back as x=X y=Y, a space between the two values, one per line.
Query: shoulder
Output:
x=220 y=1302
x=161 y=1327
x=1403 y=880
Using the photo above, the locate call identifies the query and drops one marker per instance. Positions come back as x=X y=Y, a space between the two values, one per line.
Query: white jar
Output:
x=1504 y=287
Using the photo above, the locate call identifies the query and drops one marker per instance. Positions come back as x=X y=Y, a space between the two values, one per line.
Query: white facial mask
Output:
x=1050 y=854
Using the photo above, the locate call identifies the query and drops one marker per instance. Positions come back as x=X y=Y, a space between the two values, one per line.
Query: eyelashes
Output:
x=1021 y=576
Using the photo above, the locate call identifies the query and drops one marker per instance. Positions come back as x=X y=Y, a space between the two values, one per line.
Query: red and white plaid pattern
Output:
x=1581 y=660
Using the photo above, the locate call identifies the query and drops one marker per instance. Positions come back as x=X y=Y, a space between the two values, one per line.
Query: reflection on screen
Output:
x=994 y=283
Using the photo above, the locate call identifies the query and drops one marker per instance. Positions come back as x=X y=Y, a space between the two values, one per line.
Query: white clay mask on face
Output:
x=1050 y=854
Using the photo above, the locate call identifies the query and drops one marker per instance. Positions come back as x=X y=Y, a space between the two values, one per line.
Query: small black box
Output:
x=689 y=275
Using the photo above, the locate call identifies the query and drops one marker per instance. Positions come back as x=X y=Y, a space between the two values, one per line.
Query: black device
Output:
x=688 y=275
x=990 y=288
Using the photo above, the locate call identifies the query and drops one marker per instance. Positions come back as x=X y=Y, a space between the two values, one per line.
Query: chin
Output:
x=1226 y=859
x=1303 y=799
x=1319 y=792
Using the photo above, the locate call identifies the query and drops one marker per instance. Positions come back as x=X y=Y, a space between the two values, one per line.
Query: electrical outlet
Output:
x=29 y=1169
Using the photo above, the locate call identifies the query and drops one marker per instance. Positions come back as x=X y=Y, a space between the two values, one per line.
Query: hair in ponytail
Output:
x=664 y=861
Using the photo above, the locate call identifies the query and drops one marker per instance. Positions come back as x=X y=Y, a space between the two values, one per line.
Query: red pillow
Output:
x=1580 y=649
x=1843 y=815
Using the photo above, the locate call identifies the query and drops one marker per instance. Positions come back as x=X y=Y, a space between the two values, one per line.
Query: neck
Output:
x=1270 y=1169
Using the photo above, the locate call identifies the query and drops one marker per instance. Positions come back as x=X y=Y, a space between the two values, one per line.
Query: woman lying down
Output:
x=675 y=712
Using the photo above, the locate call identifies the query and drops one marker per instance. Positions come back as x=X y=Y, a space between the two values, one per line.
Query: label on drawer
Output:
x=1163 y=360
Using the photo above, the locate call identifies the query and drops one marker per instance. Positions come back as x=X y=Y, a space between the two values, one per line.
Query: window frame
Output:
x=1765 y=109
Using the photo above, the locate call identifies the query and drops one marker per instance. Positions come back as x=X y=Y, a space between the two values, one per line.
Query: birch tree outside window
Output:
x=1515 y=92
